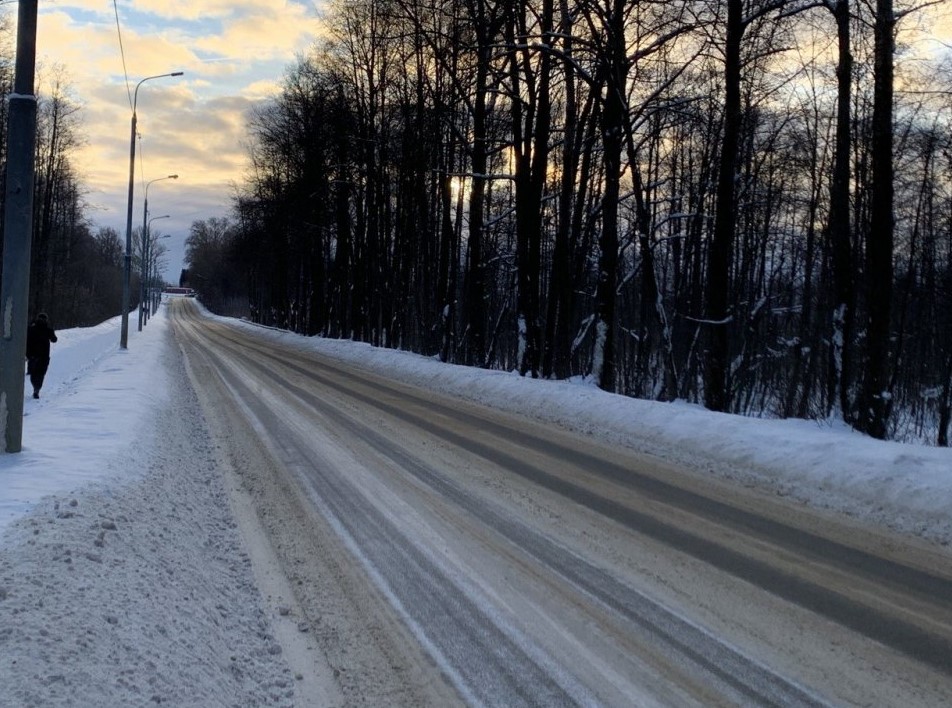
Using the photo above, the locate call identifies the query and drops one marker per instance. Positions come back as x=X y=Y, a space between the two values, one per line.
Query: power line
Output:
x=122 y=52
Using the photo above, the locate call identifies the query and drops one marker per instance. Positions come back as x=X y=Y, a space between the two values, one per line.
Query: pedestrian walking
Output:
x=39 y=335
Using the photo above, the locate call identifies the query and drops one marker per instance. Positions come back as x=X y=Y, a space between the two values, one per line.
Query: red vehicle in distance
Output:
x=184 y=292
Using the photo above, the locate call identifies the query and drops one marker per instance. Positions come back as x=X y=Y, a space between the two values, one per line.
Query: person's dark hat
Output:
x=42 y=316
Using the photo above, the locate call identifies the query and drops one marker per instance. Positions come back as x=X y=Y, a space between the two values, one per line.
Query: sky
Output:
x=233 y=54
x=116 y=481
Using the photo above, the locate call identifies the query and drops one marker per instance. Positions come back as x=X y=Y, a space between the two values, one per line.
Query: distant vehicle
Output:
x=185 y=292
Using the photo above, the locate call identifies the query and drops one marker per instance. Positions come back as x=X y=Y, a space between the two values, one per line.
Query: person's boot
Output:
x=36 y=393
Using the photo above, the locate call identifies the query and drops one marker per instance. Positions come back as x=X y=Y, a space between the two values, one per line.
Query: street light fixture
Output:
x=143 y=267
x=127 y=269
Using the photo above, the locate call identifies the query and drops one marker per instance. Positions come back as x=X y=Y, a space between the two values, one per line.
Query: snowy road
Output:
x=440 y=552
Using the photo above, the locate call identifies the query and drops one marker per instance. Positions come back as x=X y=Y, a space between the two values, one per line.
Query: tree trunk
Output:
x=555 y=361
x=474 y=306
x=844 y=275
x=945 y=409
x=531 y=128
x=613 y=122
x=874 y=406
x=717 y=362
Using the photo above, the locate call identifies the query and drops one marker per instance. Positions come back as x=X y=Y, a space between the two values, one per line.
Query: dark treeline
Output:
x=743 y=203
x=75 y=274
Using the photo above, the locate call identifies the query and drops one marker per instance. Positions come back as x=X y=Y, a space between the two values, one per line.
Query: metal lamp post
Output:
x=127 y=269
x=147 y=250
x=143 y=266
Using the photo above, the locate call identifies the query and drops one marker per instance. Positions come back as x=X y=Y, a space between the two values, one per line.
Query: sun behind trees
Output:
x=674 y=200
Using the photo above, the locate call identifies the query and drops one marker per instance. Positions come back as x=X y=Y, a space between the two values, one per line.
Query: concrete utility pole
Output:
x=18 y=230
x=127 y=267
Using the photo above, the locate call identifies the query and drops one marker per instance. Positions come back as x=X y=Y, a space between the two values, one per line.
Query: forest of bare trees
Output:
x=740 y=203
x=75 y=272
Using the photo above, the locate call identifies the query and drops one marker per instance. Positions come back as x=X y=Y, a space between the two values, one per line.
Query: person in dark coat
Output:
x=39 y=335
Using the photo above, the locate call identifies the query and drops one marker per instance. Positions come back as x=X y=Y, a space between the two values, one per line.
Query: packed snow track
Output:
x=441 y=553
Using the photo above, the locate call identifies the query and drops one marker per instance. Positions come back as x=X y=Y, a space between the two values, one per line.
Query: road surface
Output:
x=434 y=552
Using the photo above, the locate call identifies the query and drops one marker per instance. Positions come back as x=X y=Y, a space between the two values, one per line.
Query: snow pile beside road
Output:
x=827 y=466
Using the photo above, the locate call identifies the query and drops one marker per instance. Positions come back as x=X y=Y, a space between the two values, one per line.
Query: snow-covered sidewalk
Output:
x=128 y=585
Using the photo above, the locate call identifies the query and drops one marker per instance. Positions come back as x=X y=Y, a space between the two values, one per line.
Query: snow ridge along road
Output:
x=441 y=552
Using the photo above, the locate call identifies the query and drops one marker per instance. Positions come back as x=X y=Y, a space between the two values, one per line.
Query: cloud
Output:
x=265 y=36
x=168 y=12
x=264 y=89
x=198 y=137
x=233 y=52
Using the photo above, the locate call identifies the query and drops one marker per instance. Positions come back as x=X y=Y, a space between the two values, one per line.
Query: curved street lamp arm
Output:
x=135 y=94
